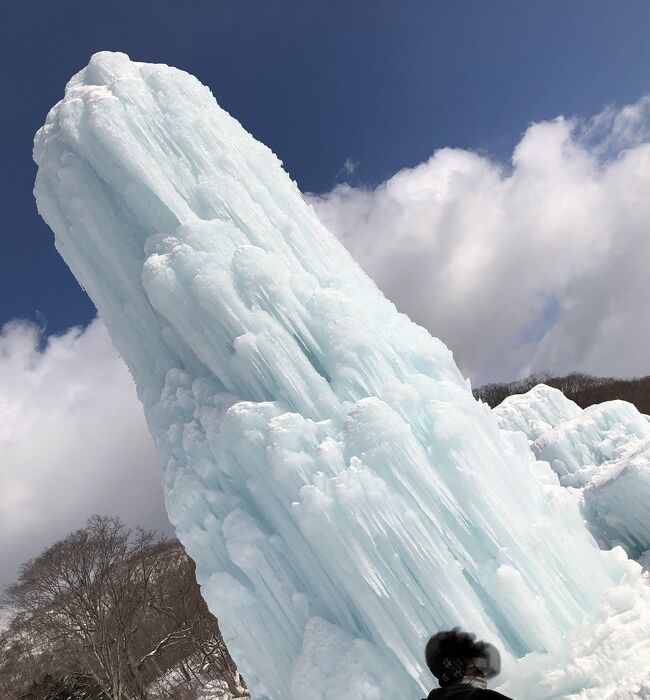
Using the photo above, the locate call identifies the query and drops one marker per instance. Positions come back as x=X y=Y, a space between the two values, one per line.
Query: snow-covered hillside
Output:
x=326 y=465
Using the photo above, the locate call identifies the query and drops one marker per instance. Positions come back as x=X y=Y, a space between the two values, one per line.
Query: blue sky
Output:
x=381 y=83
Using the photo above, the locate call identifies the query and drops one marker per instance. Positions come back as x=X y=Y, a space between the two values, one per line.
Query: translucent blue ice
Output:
x=325 y=463
x=603 y=452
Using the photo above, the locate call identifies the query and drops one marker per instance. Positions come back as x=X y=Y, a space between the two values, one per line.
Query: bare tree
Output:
x=121 y=607
x=64 y=687
x=584 y=389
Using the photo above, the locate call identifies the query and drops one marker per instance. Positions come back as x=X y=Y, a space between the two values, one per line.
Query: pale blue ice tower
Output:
x=325 y=464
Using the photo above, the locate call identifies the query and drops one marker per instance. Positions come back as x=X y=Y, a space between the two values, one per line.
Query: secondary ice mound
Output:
x=536 y=411
x=603 y=452
x=325 y=463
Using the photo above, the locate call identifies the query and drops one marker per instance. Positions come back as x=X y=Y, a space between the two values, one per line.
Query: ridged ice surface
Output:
x=325 y=464
x=603 y=451
x=536 y=411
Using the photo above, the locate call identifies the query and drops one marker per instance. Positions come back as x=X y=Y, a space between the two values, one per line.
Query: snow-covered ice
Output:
x=603 y=452
x=342 y=493
x=536 y=411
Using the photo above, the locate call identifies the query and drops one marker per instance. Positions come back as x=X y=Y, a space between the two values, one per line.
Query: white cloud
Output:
x=541 y=265
x=349 y=167
x=73 y=441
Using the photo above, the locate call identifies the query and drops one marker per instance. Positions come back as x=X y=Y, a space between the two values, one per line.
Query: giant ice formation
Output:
x=603 y=452
x=325 y=463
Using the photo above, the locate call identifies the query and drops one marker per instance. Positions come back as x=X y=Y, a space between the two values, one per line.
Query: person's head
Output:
x=453 y=654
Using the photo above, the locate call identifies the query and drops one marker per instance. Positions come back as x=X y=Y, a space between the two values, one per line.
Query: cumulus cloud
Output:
x=541 y=264
x=73 y=441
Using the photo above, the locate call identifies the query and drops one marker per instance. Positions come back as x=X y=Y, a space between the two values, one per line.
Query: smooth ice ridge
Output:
x=325 y=463
x=602 y=451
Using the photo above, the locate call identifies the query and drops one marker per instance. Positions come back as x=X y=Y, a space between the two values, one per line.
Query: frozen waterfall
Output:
x=325 y=463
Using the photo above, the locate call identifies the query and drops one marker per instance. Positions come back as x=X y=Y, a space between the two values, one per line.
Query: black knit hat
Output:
x=449 y=653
